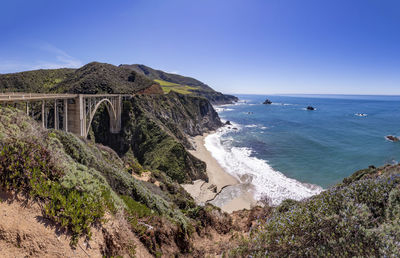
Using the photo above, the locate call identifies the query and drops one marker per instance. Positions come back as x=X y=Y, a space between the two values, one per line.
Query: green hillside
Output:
x=90 y=79
x=182 y=84
x=170 y=86
x=38 y=81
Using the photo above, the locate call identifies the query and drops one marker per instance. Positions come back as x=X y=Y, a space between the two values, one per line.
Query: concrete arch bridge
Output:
x=72 y=112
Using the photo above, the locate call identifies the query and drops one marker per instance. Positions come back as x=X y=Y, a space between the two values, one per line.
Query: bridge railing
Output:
x=15 y=97
x=19 y=96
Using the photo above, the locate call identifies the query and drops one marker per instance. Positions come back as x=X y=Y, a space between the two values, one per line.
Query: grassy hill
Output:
x=90 y=79
x=181 y=84
x=96 y=78
x=38 y=81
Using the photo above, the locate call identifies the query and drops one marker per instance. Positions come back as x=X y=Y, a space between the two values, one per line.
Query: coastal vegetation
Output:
x=78 y=182
x=39 y=81
x=360 y=216
x=170 y=86
x=133 y=179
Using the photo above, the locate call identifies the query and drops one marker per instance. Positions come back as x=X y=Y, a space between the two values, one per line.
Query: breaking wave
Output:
x=267 y=182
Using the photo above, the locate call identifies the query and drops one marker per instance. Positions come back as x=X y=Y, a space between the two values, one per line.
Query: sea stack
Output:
x=392 y=138
x=267 y=102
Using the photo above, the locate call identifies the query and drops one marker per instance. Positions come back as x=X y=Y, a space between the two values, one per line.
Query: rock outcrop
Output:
x=392 y=138
x=267 y=102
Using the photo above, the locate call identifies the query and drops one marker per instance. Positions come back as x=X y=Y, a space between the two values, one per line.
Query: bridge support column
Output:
x=65 y=119
x=55 y=115
x=43 y=114
x=77 y=116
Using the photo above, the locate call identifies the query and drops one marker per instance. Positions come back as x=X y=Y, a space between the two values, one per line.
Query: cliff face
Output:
x=155 y=129
x=181 y=113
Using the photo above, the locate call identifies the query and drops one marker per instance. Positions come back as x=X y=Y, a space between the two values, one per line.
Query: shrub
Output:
x=28 y=167
x=22 y=162
x=351 y=220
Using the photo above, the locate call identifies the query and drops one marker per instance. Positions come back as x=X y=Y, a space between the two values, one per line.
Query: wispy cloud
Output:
x=57 y=59
x=62 y=58
x=174 y=72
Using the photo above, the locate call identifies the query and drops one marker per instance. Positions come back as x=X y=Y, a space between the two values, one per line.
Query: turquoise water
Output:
x=319 y=147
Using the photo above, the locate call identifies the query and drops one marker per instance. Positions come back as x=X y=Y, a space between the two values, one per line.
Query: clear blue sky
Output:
x=235 y=46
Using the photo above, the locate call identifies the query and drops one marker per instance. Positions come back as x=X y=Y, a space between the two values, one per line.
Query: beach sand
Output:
x=219 y=180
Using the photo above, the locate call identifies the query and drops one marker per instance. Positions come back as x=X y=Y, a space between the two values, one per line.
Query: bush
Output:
x=352 y=220
x=28 y=167
x=23 y=162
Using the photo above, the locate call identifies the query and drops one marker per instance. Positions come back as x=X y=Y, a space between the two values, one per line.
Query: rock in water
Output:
x=310 y=108
x=392 y=138
x=267 y=102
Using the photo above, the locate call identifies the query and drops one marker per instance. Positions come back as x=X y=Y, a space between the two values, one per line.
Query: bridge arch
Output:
x=112 y=113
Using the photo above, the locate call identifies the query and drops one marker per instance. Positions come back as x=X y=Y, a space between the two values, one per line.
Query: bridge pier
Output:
x=65 y=118
x=75 y=117
x=43 y=114
x=55 y=115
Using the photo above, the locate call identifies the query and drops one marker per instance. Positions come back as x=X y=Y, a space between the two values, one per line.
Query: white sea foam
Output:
x=282 y=104
x=250 y=126
x=222 y=109
x=361 y=114
x=266 y=181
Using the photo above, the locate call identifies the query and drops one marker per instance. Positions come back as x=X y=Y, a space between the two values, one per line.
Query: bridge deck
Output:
x=20 y=97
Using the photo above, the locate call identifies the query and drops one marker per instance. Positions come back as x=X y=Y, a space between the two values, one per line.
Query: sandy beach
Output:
x=221 y=186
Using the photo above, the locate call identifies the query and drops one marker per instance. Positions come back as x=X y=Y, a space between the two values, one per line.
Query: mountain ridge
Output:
x=97 y=77
x=182 y=84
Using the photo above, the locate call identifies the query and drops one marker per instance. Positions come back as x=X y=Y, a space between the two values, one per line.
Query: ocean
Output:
x=286 y=151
